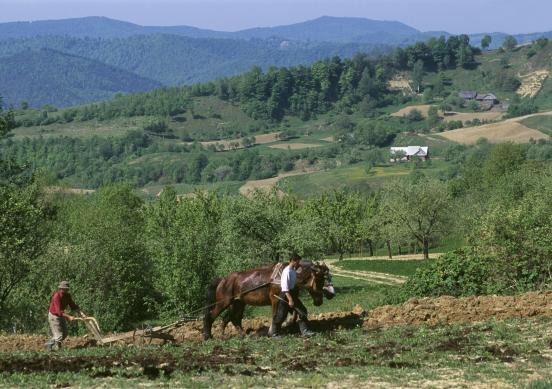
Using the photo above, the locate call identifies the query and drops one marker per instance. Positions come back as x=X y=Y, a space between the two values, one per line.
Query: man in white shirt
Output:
x=289 y=296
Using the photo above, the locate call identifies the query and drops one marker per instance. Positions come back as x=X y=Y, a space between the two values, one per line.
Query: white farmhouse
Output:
x=406 y=153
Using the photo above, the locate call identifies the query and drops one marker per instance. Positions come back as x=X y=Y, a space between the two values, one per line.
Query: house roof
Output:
x=486 y=96
x=410 y=151
x=467 y=94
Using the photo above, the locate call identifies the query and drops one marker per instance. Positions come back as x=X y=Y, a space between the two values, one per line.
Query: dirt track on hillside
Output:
x=429 y=311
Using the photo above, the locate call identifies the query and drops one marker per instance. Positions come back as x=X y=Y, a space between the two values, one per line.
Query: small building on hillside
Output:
x=409 y=152
x=467 y=95
x=485 y=100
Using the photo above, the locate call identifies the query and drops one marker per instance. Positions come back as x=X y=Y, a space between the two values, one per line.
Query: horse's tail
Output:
x=211 y=301
x=212 y=294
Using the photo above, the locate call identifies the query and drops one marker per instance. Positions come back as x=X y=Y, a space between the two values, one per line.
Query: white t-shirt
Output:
x=289 y=277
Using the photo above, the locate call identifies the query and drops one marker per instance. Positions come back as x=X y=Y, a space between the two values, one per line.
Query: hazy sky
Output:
x=455 y=16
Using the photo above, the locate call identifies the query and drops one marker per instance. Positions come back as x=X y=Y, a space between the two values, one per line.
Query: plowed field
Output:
x=430 y=311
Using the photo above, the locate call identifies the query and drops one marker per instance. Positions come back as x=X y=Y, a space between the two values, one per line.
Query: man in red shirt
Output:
x=57 y=316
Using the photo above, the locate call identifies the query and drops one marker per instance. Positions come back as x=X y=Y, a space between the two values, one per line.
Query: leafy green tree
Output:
x=7 y=120
x=99 y=245
x=503 y=159
x=24 y=232
x=433 y=118
x=509 y=43
x=422 y=207
x=339 y=214
x=184 y=241
x=418 y=75
x=415 y=115
x=486 y=42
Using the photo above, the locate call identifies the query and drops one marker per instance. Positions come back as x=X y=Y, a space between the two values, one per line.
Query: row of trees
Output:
x=97 y=161
x=130 y=261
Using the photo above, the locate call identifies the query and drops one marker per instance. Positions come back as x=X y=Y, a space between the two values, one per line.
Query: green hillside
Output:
x=323 y=126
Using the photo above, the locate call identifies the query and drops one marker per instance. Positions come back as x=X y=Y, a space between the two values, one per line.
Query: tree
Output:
x=433 y=118
x=7 y=120
x=422 y=207
x=338 y=214
x=509 y=43
x=184 y=242
x=24 y=233
x=99 y=245
x=418 y=75
x=486 y=42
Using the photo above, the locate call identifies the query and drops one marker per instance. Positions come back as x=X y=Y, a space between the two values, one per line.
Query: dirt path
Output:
x=376 y=277
x=370 y=276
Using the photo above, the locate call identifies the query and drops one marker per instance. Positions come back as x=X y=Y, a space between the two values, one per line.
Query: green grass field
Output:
x=355 y=177
x=542 y=123
x=397 y=267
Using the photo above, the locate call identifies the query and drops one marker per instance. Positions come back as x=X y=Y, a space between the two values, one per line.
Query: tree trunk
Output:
x=370 y=248
x=389 y=249
x=399 y=250
x=340 y=256
x=426 y=248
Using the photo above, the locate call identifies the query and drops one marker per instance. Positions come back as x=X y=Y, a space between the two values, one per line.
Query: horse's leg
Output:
x=236 y=315
x=274 y=303
x=210 y=317
x=226 y=318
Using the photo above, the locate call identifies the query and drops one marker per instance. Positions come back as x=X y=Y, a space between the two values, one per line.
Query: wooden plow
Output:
x=158 y=332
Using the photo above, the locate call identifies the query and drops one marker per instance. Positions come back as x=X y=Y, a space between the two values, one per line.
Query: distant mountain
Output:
x=323 y=29
x=332 y=29
x=96 y=27
x=51 y=77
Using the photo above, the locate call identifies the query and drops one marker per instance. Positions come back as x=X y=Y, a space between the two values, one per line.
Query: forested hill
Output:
x=173 y=60
x=50 y=76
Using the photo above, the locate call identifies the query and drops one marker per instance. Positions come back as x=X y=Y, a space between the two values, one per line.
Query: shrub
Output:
x=458 y=273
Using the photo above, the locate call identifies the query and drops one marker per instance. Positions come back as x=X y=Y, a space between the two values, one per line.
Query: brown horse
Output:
x=255 y=287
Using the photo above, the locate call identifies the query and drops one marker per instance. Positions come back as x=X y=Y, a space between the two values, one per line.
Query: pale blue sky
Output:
x=455 y=16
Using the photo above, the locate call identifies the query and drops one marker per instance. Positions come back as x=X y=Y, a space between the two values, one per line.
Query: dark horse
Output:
x=256 y=287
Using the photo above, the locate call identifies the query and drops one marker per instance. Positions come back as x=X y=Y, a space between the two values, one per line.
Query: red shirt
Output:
x=60 y=300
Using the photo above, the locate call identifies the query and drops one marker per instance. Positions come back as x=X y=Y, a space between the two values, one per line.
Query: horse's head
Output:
x=317 y=279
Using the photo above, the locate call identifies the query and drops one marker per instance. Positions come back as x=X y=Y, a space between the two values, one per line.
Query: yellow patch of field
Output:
x=405 y=111
x=294 y=146
x=329 y=139
x=400 y=83
x=465 y=116
x=506 y=131
x=237 y=143
x=532 y=83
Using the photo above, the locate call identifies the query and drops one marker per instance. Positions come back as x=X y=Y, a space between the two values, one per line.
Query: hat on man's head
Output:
x=63 y=285
x=294 y=257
